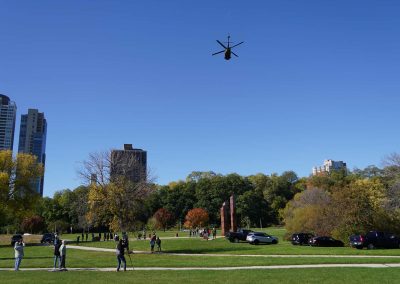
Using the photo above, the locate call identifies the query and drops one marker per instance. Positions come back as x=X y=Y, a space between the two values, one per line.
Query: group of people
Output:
x=205 y=233
x=60 y=250
x=155 y=240
x=107 y=236
x=60 y=253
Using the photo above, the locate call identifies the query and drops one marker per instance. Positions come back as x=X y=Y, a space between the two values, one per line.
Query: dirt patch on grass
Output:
x=28 y=239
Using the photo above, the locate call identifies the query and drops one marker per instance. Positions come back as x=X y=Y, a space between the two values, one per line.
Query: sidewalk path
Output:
x=243 y=255
x=370 y=265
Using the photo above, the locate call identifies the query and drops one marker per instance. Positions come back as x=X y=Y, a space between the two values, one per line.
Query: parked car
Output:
x=256 y=238
x=240 y=235
x=325 y=242
x=301 y=238
x=15 y=238
x=375 y=239
x=47 y=238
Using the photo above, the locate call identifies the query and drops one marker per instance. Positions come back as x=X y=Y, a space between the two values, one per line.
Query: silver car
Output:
x=256 y=238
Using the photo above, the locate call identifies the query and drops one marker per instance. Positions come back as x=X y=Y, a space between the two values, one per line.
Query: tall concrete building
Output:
x=328 y=166
x=32 y=139
x=130 y=163
x=8 y=112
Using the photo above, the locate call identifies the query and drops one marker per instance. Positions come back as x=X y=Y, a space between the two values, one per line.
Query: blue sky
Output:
x=315 y=80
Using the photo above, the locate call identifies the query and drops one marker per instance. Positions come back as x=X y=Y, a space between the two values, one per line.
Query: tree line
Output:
x=345 y=203
x=337 y=204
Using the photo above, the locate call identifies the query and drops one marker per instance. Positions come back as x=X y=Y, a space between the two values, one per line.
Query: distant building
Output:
x=8 y=111
x=32 y=139
x=130 y=163
x=328 y=166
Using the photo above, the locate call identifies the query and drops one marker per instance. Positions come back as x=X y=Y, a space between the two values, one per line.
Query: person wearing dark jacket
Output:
x=120 y=254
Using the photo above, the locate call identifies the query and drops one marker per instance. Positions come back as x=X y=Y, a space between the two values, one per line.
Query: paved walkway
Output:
x=242 y=255
x=369 y=265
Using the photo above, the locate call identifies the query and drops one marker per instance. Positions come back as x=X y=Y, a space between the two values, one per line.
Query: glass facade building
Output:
x=32 y=139
x=8 y=112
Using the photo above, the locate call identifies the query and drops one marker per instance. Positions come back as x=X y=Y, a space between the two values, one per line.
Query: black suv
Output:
x=375 y=239
x=16 y=238
x=301 y=238
x=47 y=238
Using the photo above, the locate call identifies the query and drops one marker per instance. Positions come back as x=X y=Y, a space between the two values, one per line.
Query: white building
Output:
x=328 y=166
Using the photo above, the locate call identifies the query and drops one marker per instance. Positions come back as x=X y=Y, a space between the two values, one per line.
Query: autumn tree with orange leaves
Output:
x=197 y=217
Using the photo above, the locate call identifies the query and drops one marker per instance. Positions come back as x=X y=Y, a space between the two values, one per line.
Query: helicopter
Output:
x=227 y=49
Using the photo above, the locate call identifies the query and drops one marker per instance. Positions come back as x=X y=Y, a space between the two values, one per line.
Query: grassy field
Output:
x=37 y=256
x=197 y=245
x=322 y=275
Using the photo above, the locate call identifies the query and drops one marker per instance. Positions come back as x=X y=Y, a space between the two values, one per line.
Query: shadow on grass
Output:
x=27 y=257
x=209 y=250
x=26 y=244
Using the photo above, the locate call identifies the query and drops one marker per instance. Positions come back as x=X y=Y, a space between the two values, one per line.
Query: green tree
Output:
x=18 y=196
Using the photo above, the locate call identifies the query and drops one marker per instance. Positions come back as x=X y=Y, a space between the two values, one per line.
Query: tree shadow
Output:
x=27 y=257
x=209 y=250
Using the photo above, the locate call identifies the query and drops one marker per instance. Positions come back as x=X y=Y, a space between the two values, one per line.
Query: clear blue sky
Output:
x=315 y=80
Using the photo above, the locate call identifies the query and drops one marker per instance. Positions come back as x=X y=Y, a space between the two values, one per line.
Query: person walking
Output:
x=19 y=253
x=214 y=232
x=152 y=243
x=57 y=255
x=158 y=242
x=120 y=252
x=63 y=254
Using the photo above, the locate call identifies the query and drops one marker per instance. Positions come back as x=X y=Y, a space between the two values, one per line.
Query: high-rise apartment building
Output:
x=32 y=139
x=129 y=163
x=329 y=166
x=8 y=111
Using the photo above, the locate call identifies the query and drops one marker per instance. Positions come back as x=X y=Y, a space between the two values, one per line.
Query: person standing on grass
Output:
x=63 y=254
x=158 y=242
x=152 y=243
x=19 y=253
x=57 y=255
x=120 y=251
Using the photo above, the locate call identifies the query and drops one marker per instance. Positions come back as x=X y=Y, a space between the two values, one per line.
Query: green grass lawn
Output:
x=221 y=245
x=321 y=275
x=42 y=257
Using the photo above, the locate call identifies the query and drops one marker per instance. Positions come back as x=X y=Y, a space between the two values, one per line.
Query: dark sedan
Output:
x=301 y=238
x=325 y=242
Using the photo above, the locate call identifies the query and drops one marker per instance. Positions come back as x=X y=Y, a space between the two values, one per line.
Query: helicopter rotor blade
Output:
x=234 y=54
x=221 y=44
x=237 y=44
x=218 y=52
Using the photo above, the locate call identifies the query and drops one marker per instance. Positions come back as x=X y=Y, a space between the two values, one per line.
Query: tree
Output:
x=197 y=217
x=18 y=196
x=163 y=218
x=307 y=212
x=33 y=224
x=115 y=202
x=252 y=209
